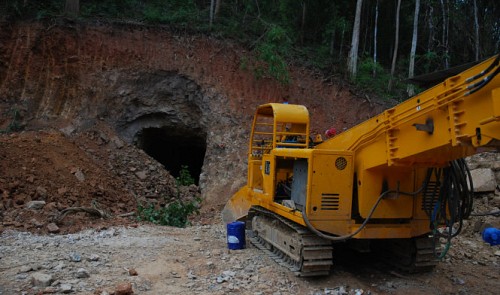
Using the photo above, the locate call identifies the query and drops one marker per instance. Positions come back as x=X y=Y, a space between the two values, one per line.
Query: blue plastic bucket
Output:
x=236 y=235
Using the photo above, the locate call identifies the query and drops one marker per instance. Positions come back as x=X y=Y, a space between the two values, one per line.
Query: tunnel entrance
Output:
x=174 y=148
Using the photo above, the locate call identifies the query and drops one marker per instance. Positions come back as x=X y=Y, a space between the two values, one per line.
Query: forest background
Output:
x=378 y=45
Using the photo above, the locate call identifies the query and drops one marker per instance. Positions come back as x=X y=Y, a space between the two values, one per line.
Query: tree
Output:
x=214 y=10
x=72 y=7
x=476 y=31
x=353 y=53
x=396 y=44
x=444 y=38
x=212 y=5
x=375 y=41
x=411 y=68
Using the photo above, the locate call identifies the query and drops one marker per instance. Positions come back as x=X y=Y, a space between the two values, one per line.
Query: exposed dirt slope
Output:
x=134 y=77
x=75 y=171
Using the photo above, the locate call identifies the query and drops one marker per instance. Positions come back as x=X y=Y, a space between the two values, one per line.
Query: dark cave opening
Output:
x=174 y=148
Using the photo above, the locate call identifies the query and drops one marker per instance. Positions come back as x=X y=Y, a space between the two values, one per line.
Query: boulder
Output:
x=483 y=180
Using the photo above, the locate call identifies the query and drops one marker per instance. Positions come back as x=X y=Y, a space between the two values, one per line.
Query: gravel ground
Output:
x=195 y=260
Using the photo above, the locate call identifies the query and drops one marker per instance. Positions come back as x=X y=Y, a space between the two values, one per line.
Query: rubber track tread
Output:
x=312 y=246
x=400 y=254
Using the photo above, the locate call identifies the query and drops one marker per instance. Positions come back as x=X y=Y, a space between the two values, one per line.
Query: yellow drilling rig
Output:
x=396 y=183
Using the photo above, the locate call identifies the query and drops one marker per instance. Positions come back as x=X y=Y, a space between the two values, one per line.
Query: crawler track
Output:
x=414 y=255
x=289 y=244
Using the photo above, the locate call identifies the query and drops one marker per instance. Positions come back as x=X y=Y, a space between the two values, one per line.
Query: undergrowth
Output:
x=176 y=213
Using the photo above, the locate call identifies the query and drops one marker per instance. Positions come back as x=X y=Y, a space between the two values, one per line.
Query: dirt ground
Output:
x=48 y=165
x=196 y=260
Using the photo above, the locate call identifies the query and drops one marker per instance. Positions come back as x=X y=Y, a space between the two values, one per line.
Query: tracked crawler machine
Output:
x=396 y=183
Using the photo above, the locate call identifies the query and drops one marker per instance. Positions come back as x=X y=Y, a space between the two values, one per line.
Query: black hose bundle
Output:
x=452 y=201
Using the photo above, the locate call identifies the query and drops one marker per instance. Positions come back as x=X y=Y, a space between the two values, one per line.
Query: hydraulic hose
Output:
x=453 y=204
x=365 y=222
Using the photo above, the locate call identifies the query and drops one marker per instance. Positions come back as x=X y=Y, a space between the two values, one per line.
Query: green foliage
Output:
x=174 y=214
x=175 y=12
x=308 y=33
x=21 y=9
x=373 y=78
x=184 y=178
x=270 y=51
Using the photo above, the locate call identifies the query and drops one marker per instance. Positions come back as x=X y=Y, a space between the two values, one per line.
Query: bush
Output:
x=373 y=78
x=271 y=52
x=184 y=178
x=174 y=214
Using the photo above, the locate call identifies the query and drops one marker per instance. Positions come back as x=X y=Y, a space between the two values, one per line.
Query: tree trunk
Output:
x=476 y=30
x=396 y=45
x=375 y=31
x=212 y=6
x=353 y=53
x=444 y=38
x=411 y=69
x=430 y=24
x=72 y=7
x=217 y=8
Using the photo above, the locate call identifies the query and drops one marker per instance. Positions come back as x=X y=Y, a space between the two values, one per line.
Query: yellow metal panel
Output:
x=330 y=192
x=371 y=185
x=255 y=174
x=285 y=112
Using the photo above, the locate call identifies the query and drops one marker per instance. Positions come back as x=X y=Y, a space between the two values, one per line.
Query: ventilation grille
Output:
x=341 y=163
x=430 y=196
x=330 y=202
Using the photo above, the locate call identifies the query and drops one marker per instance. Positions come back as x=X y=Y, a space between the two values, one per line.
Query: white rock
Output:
x=75 y=257
x=94 y=257
x=41 y=279
x=82 y=273
x=483 y=180
x=79 y=175
x=65 y=288
x=35 y=205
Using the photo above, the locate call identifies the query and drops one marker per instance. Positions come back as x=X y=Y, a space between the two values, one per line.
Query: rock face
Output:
x=142 y=80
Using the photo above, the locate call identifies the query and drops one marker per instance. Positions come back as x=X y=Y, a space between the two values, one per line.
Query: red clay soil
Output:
x=46 y=166
x=54 y=71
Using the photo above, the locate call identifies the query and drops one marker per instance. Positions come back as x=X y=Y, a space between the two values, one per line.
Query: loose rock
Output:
x=124 y=288
x=75 y=257
x=82 y=273
x=35 y=205
x=65 y=288
x=39 y=279
x=52 y=228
